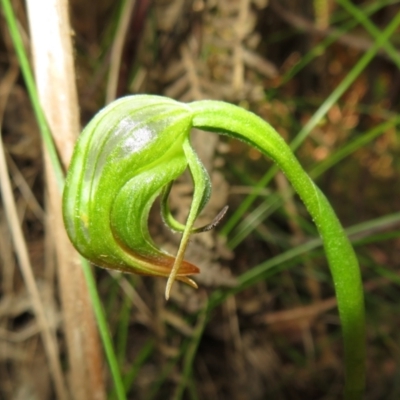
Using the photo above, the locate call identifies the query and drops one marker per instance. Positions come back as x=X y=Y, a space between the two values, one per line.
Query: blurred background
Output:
x=263 y=323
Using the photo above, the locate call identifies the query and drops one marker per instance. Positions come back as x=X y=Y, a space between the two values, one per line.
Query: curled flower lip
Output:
x=160 y=266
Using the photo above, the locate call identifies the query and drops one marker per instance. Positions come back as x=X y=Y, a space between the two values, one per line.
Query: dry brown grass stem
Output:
x=55 y=80
x=350 y=40
x=117 y=49
x=195 y=92
x=311 y=312
x=238 y=65
x=145 y=315
x=25 y=190
x=47 y=331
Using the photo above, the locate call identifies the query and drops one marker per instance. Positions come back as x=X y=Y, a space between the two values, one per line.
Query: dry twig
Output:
x=49 y=338
x=55 y=79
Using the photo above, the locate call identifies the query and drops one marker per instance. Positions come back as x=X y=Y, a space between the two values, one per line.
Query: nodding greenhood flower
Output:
x=127 y=155
x=132 y=151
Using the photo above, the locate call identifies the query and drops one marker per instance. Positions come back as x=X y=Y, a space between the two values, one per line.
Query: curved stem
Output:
x=241 y=124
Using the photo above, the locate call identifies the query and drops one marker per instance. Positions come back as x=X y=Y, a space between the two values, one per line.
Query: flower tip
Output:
x=183 y=279
x=168 y=288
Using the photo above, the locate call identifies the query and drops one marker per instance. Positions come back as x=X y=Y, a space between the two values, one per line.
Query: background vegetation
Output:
x=263 y=323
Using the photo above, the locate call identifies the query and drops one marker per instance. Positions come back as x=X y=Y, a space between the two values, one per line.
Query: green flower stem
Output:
x=131 y=152
x=236 y=122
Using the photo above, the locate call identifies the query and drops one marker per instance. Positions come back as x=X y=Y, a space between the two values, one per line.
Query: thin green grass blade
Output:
x=166 y=371
x=355 y=233
x=382 y=271
x=326 y=42
x=50 y=147
x=32 y=92
x=380 y=237
x=103 y=328
x=275 y=200
x=372 y=29
x=350 y=148
x=145 y=352
x=122 y=330
x=190 y=353
x=290 y=258
x=316 y=118
x=256 y=217
x=193 y=395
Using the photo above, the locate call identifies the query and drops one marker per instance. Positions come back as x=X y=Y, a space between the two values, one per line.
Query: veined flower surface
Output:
x=126 y=155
